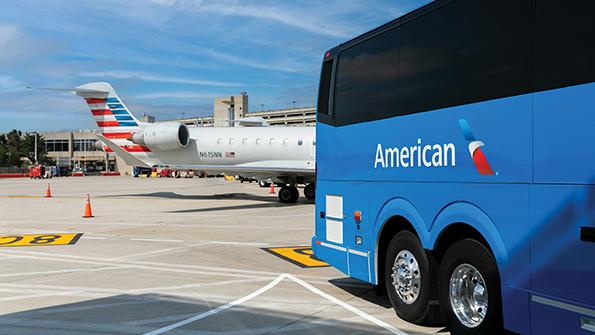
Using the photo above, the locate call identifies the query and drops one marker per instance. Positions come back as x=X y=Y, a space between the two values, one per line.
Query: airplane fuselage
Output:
x=283 y=147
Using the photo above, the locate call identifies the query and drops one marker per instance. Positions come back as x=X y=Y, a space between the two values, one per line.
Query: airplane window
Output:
x=285 y=141
x=258 y=140
x=245 y=141
x=219 y=140
x=300 y=141
x=231 y=141
x=271 y=141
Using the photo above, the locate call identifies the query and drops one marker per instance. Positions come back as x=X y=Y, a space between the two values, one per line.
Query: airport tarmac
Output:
x=175 y=256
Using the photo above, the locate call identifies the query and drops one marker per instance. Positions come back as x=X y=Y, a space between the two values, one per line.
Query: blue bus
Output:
x=456 y=164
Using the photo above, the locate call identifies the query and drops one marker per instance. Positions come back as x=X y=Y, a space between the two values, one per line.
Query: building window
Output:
x=56 y=145
x=84 y=145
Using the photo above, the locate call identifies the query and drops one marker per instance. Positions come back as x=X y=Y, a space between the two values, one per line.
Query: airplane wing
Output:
x=125 y=155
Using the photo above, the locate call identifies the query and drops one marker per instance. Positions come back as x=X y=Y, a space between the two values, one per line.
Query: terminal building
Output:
x=70 y=149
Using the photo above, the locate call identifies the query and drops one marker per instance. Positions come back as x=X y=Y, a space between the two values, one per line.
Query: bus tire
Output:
x=469 y=289
x=407 y=277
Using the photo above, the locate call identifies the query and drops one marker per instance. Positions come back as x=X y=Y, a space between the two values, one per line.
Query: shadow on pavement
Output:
x=224 y=196
x=361 y=290
x=138 y=314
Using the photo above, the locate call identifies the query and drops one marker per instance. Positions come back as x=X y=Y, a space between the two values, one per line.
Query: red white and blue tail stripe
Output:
x=111 y=115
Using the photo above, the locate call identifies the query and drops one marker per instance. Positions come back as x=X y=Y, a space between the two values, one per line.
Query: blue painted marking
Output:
x=128 y=124
x=124 y=118
x=112 y=100
x=115 y=106
x=119 y=112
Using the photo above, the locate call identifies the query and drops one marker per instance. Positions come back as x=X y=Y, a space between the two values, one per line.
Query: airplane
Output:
x=286 y=155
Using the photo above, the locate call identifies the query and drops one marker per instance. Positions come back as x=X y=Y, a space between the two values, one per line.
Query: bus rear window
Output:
x=325 y=87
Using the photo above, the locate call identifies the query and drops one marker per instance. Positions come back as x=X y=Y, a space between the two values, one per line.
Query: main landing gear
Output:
x=310 y=191
x=288 y=194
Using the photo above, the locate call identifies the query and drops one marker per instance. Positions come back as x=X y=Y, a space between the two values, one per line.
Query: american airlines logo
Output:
x=479 y=159
x=432 y=155
x=420 y=155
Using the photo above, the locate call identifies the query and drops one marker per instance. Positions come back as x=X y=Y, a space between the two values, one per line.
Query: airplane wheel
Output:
x=288 y=194
x=310 y=191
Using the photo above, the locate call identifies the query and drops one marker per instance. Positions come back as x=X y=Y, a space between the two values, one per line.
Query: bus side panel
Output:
x=366 y=151
x=562 y=252
x=563 y=126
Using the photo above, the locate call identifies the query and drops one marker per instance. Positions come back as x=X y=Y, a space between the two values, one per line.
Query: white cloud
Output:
x=289 y=16
x=186 y=95
x=8 y=34
x=157 y=78
x=283 y=66
x=9 y=84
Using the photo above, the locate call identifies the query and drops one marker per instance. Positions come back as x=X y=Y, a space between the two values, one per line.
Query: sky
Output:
x=170 y=58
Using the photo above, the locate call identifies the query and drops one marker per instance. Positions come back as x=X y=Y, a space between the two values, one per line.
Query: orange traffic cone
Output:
x=48 y=192
x=88 y=213
x=272 y=190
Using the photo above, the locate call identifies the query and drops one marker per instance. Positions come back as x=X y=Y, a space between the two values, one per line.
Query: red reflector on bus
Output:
x=357 y=215
x=317 y=242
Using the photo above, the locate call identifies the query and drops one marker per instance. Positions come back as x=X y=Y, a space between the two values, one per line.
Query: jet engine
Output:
x=163 y=137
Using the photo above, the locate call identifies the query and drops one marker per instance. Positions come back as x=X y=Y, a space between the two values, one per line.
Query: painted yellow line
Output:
x=300 y=255
x=36 y=240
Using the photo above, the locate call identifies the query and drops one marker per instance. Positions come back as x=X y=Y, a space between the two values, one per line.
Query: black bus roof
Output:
x=423 y=10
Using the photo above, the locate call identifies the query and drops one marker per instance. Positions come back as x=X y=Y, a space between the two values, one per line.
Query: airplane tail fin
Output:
x=108 y=110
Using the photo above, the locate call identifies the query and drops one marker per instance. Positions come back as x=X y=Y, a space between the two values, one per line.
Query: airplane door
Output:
x=313 y=148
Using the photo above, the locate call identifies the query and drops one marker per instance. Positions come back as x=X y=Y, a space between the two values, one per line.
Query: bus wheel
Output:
x=407 y=277
x=469 y=287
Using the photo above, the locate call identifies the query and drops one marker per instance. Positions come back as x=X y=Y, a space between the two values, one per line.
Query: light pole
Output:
x=261 y=107
x=35 y=147
x=293 y=102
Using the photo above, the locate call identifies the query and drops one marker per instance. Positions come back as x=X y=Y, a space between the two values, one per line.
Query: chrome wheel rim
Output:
x=468 y=295
x=406 y=276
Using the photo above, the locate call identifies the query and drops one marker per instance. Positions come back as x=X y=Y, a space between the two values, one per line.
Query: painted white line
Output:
x=39 y=295
x=113 y=261
x=59 y=271
x=94 y=238
x=270 y=285
x=159 y=251
x=164 y=268
x=218 y=309
x=239 y=243
x=348 y=307
x=155 y=240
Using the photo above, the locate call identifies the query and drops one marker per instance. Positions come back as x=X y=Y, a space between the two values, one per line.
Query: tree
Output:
x=14 y=146
x=29 y=148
